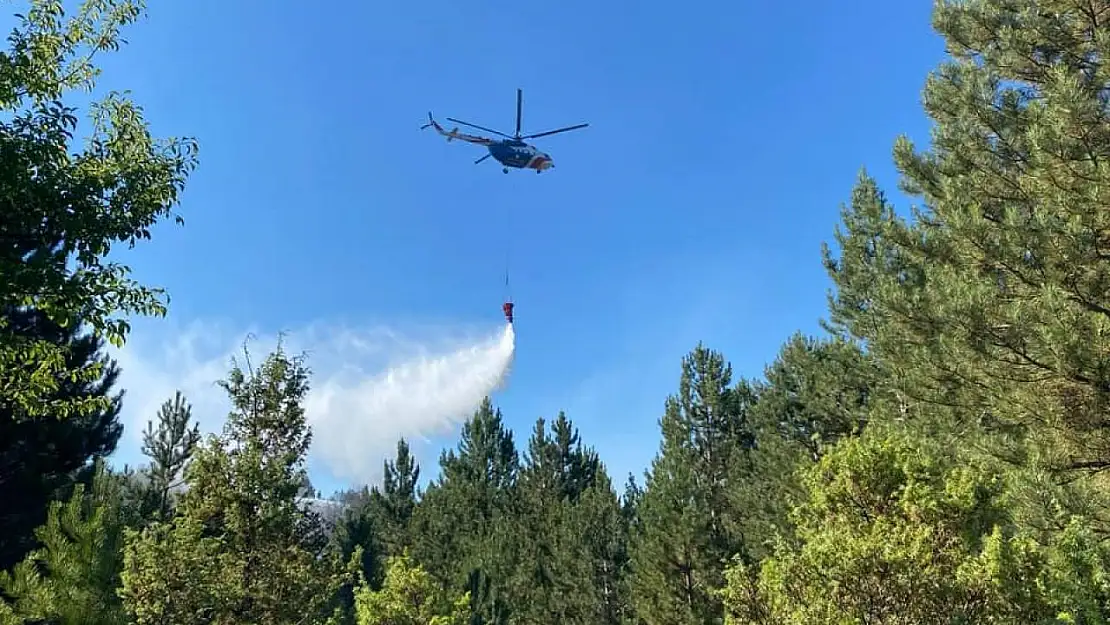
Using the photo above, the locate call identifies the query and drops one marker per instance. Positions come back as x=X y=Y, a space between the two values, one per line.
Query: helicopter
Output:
x=512 y=151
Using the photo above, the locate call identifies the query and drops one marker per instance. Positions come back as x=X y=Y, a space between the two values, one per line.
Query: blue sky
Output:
x=724 y=138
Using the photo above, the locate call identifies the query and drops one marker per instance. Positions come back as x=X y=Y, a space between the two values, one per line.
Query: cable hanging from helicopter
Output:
x=507 y=307
x=511 y=151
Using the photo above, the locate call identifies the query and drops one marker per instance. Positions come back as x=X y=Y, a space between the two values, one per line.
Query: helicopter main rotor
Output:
x=517 y=136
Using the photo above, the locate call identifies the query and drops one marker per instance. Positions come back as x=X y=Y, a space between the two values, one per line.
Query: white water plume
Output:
x=423 y=397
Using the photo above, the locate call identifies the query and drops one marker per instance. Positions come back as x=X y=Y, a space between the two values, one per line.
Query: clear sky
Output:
x=723 y=139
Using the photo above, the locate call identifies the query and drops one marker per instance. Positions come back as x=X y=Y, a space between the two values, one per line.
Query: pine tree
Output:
x=557 y=465
x=604 y=530
x=377 y=521
x=555 y=577
x=683 y=537
x=631 y=527
x=578 y=466
x=630 y=501
x=394 y=504
x=259 y=552
x=672 y=565
x=73 y=577
x=489 y=604
x=41 y=458
x=357 y=533
x=465 y=518
x=991 y=305
x=985 y=313
x=814 y=394
x=169 y=446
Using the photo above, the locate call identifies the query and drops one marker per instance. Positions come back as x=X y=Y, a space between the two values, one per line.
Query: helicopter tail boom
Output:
x=454 y=133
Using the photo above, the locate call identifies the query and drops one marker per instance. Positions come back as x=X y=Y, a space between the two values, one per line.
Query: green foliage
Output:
x=176 y=573
x=684 y=535
x=259 y=554
x=169 y=446
x=41 y=459
x=994 y=301
x=814 y=394
x=465 y=517
x=64 y=210
x=394 y=504
x=604 y=529
x=939 y=459
x=488 y=603
x=409 y=596
x=377 y=521
x=568 y=542
x=358 y=540
x=901 y=530
x=72 y=579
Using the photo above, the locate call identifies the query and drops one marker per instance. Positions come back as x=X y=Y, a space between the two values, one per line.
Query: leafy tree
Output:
x=178 y=572
x=260 y=553
x=409 y=596
x=684 y=534
x=901 y=530
x=73 y=577
x=66 y=209
x=41 y=459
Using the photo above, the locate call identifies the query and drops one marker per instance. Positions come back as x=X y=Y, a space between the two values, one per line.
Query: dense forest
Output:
x=937 y=455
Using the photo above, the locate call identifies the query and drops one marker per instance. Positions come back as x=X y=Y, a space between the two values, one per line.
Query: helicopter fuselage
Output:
x=520 y=155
